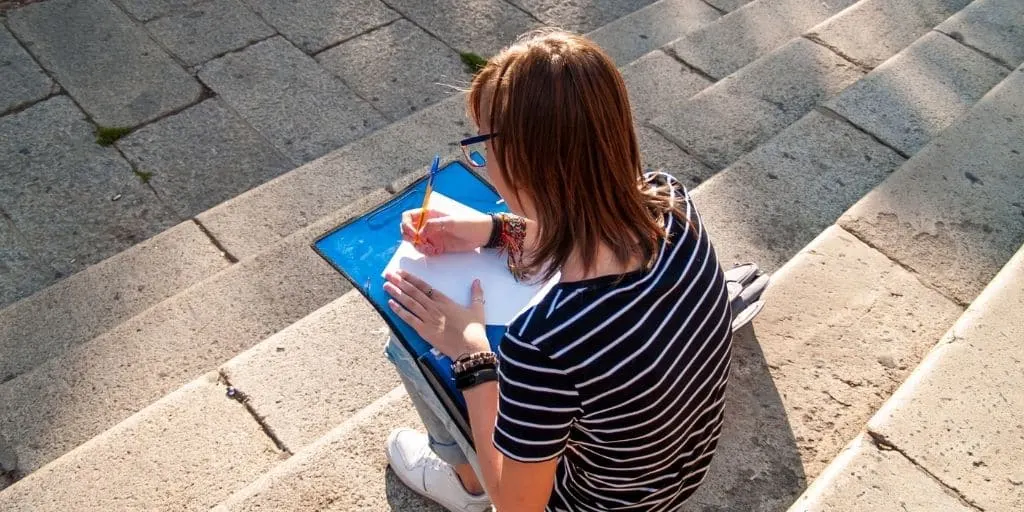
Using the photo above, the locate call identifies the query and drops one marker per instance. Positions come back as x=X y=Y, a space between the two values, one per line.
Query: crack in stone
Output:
x=243 y=399
x=216 y=243
x=885 y=445
x=815 y=38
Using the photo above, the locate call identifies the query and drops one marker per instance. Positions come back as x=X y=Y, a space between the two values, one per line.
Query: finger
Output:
x=416 y=289
x=476 y=296
x=418 y=286
x=408 y=302
x=406 y=316
x=408 y=232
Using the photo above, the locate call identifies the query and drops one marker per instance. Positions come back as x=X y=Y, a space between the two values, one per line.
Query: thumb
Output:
x=477 y=296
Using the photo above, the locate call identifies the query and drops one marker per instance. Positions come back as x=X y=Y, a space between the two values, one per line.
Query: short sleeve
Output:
x=537 y=403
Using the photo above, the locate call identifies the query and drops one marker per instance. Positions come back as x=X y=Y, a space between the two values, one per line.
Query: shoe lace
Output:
x=432 y=461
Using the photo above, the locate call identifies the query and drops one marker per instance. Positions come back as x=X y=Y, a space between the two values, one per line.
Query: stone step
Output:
x=342 y=471
x=85 y=305
x=833 y=157
x=953 y=213
x=781 y=84
x=952 y=436
x=81 y=386
x=750 y=32
x=89 y=388
x=317 y=372
x=186 y=451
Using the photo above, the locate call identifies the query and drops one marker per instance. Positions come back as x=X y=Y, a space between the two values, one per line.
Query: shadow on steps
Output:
x=757 y=465
x=401 y=499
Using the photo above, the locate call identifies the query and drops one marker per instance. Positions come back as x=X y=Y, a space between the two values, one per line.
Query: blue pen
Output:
x=426 y=196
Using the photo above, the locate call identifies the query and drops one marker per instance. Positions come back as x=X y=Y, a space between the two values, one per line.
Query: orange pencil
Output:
x=426 y=197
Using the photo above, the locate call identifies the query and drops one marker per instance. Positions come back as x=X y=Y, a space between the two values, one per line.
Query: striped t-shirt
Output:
x=623 y=377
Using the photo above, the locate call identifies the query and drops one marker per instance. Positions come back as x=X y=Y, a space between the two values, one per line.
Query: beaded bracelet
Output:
x=508 y=234
x=469 y=362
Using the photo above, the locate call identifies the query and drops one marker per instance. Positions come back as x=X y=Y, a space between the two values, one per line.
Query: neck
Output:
x=605 y=264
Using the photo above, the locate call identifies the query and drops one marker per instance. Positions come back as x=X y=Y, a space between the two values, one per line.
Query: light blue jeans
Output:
x=446 y=440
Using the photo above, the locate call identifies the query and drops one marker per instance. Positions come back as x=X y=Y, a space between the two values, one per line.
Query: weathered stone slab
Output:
x=256 y=219
x=75 y=202
x=874 y=30
x=187 y=451
x=209 y=29
x=918 y=93
x=202 y=156
x=729 y=5
x=960 y=415
x=743 y=36
x=293 y=102
x=398 y=68
x=866 y=478
x=24 y=81
x=145 y=10
x=313 y=25
x=480 y=26
x=93 y=386
x=21 y=274
x=659 y=154
x=88 y=303
x=580 y=16
x=108 y=64
x=954 y=212
x=345 y=470
x=318 y=372
x=995 y=27
x=769 y=204
x=656 y=80
x=832 y=368
x=652 y=27
x=746 y=109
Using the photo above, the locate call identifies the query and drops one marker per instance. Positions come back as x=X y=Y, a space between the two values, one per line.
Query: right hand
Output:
x=443 y=233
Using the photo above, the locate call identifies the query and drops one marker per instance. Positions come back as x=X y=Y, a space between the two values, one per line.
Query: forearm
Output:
x=482 y=404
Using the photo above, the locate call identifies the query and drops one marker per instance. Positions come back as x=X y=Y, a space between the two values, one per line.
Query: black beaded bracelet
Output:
x=495 y=238
x=473 y=378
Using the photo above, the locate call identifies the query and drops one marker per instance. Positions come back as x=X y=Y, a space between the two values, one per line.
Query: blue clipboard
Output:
x=361 y=248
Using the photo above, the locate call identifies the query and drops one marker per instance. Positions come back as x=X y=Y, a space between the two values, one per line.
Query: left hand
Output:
x=449 y=327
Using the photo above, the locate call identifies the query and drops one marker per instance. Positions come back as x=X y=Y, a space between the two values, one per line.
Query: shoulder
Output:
x=672 y=186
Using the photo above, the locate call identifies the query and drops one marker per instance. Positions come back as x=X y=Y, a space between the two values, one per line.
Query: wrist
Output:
x=480 y=230
x=471 y=370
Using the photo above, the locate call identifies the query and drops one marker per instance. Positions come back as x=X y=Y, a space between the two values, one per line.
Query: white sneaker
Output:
x=419 y=468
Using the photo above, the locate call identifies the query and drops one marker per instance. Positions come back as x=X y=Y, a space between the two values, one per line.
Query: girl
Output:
x=606 y=395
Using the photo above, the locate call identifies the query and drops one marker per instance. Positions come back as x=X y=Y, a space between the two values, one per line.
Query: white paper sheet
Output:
x=453 y=274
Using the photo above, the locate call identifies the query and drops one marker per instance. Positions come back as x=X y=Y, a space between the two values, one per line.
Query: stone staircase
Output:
x=866 y=151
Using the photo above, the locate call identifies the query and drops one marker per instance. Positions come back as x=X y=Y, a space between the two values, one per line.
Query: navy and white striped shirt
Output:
x=623 y=379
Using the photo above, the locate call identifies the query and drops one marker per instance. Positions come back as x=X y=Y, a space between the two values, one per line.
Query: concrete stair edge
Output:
x=824 y=494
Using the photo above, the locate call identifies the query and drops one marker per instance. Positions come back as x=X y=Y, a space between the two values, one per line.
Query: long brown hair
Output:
x=566 y=139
